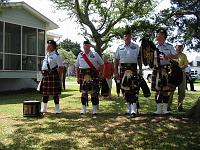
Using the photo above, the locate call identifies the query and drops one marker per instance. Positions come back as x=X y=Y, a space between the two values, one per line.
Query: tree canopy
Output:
x=2 y=3
x=68 y=45
x=101 y=19
x=67 y=56
x=183 y=17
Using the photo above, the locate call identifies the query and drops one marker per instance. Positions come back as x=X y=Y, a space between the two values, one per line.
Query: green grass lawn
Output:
x=197 y=83
x=110 y=130
x=71 y=79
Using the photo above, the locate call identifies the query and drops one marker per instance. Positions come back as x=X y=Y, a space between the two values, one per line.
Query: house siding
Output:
x=21 y=17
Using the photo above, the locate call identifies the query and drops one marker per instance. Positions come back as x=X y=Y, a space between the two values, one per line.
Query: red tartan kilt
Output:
x=51 y=84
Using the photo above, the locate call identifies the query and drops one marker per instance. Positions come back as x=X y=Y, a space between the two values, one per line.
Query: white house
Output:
x=23 y=36
x=195 y=66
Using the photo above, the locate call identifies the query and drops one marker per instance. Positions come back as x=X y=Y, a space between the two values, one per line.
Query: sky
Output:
x=68 y=28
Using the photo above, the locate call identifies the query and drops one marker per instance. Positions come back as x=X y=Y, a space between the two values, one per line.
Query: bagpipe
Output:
x=147 y=52
x=174 y=73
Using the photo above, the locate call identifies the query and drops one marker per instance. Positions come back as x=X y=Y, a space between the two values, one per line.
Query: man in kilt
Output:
x=128 y=56
x=52 y=69
x=89 y=66
x=161 y=71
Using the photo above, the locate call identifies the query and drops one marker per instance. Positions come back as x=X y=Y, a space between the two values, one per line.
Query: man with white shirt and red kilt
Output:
x=128 y=56
x=52 y=69
x=89 y=66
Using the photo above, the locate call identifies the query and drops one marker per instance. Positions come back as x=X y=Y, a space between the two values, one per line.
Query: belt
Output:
x=48 y=72
x=87 y=70
x=162 y=66
x=128 y=64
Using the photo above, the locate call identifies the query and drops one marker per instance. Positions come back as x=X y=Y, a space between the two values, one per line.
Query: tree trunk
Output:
x=194 y=112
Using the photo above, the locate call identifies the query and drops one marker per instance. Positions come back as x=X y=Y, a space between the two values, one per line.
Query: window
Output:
x=29 y=63
x=12 y=38
x=29 y=41
x=1 y=36
x=12 y=62
x=41 y=42
x=24 y=49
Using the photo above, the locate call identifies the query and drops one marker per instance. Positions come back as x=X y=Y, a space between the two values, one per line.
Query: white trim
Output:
x=3 y=44
x=21 y=66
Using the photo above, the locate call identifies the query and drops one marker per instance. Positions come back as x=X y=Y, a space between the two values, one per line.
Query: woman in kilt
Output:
x=52 y=69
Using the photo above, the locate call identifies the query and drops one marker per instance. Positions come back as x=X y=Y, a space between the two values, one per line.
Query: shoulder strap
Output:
x=49 y=68
x=87 y=60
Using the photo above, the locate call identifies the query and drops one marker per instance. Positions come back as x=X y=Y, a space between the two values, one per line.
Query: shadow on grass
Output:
x=110 y=129
x=17 y=98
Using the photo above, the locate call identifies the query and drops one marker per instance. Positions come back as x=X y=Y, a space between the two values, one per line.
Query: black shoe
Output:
x=169 y=109
x=169 y=113
x=180 y=109
x=126 y=113
x=193 y=90
x=133 y=115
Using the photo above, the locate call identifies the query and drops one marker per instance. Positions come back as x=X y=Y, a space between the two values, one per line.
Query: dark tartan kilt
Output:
x=133 y=68
x=51 y=84
x=124 y=67
x=93 y=85
x=154 y=79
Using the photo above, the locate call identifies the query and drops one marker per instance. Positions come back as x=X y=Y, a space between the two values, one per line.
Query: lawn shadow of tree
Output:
x=18 y=98
x=110 y=129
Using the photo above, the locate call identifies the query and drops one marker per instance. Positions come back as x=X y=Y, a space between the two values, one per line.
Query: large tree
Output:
x=67 y=56
x=184 y=17
x=3 y=3
x=99 y=19
x=68 y=45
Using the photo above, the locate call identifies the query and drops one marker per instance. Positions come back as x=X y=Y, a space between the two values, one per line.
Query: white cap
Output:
x=179 y=43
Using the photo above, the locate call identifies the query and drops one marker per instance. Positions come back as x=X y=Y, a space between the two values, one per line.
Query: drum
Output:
x=31 y=108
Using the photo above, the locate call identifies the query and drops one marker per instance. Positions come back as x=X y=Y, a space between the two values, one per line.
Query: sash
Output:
x=88 y=61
